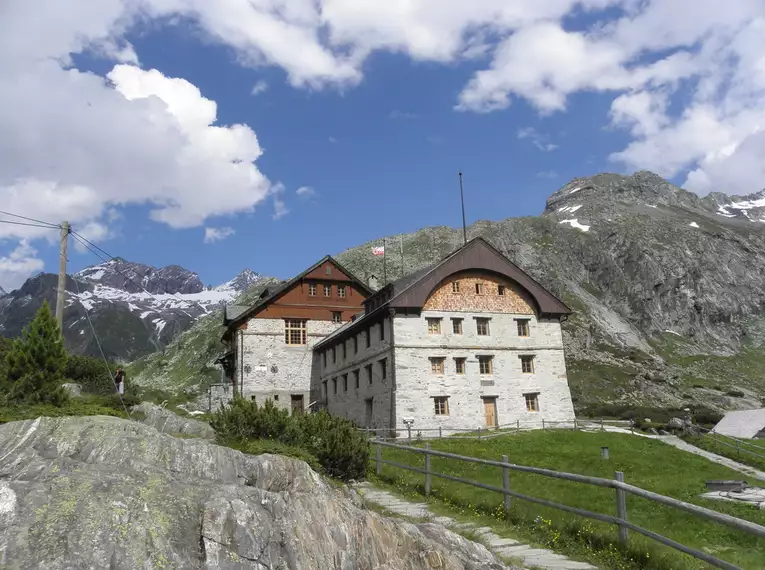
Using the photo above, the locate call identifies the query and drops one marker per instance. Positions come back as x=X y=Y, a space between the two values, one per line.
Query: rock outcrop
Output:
x=100 y=492
x=165 y=421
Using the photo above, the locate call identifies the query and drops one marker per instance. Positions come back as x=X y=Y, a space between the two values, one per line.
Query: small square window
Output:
x=532 y=402
x=368 y=368
x=341 y=291
x=479 y=288
x=356 y=378
x=501 y=290
x=441 y=404
x=457 y=326
x=434 y=326
x=337 y=316
x=384 y=368
x=485 y=364
x=327 y=290
x=312 y=289
x=527 y=364
x=437 y=365
x=455 y=286
x=523 y=327
x=482 y=327
x=459 y=365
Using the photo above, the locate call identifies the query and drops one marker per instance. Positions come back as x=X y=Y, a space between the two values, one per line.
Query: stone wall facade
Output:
x=369 y=404
x=458 y=293
x=270 y=368
x=417 y=385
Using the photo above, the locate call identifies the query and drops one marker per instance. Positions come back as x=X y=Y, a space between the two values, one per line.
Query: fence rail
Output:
x=621 y=489
x=496 y=431
x=740 y=445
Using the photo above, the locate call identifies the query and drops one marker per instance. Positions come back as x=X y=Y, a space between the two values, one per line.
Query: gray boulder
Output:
x=675 y=423
x=168 y=422
x=74 y=390
x=103 y=492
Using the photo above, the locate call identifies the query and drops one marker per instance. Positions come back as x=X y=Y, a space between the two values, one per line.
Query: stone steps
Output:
x=501 y=546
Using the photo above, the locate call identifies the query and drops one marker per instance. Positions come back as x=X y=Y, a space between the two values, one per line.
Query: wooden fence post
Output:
x=409 y=432
x=427 y=469
x=621 y=508
x=506 y=484
x=379 y=458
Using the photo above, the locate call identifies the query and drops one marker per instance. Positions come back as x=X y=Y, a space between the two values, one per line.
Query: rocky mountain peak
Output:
x=137 y=277
x=2 y=292
x=241 y=282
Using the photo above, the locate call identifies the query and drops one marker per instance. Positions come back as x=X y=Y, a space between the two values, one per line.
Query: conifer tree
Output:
x=36 y=363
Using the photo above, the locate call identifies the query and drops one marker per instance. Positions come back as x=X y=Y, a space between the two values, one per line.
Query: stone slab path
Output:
x=680 y=444
x=502 y=547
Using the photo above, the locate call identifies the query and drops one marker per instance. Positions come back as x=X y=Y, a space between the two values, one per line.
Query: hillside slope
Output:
x=668 y=288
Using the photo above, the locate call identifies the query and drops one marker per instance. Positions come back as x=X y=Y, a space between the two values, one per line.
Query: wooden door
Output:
x=490 y=411
x=297 y=404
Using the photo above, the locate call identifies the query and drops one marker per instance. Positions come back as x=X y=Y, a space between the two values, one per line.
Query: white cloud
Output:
x=537 y=139
x=280 y=207
x=213 y=235
x=305 y=191
x=19 y=265
x=260 y=87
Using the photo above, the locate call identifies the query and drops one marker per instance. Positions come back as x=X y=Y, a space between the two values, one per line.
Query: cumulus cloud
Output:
x=213 y=235
x=19 y=265
x=305 y=192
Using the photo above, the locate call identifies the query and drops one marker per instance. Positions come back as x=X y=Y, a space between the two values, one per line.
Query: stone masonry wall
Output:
x=273 y=369
x=353 y=403
x=444 y=298
x=416 y=385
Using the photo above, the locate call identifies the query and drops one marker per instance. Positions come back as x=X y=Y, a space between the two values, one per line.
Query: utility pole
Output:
x=462 y=199
x=65 y=230
x=385 y=273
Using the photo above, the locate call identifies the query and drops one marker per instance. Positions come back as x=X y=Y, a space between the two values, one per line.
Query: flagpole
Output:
x=385 y=275
x=462 y=199
x=402 y=255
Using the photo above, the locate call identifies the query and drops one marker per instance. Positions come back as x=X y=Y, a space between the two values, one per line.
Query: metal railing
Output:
x=412 y=433
x=621 y=488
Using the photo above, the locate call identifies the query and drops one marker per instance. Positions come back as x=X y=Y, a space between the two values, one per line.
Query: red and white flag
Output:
x=378 y=250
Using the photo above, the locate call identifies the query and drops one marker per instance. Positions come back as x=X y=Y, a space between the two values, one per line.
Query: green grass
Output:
x=87 y=406
x=646 y=463
x=717 y=445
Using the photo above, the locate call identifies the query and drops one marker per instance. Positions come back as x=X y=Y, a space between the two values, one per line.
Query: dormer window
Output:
x=455 y=286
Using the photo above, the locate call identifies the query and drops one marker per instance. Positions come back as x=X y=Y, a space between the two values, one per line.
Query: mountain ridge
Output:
x=645 y=265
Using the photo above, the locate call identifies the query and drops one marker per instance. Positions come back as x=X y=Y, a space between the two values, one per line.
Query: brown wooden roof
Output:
x=477 y=254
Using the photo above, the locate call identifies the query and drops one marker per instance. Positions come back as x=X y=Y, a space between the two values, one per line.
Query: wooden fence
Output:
x=620 y=487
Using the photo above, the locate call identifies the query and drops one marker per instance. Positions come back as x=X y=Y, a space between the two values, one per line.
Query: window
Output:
x=334 y=385
x=341 y=291
x=327 y=290
x=501 y=290
x=527 y=364
x=355 y=344
x=294 y=331
x=457 y=326
x=485 y=364
x=479 y=288
x=523 y=327
x=441 y=405
x=312 y=289
x=356 y=378
x=384 y=368
x=345 y=355
x=345 y=382
x=368 y=368
x=437 y=365
x=532 y=402
x=324 y=354
x=324 y=389
x=334 y=355
x=369 y=337
x=434 y=326
x=482 y=327
x=455 y=286
x=382 y=331
x=337 y=316
x=459 y=365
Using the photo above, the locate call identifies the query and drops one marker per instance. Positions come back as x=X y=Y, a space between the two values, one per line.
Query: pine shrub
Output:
x=36 y=362
x=340 y=448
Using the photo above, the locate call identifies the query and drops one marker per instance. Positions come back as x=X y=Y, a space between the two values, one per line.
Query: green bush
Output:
x=335 y=443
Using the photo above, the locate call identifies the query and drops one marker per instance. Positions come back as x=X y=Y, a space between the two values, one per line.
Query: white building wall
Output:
x=417 y=385
x=353 y=402
x=270 y=368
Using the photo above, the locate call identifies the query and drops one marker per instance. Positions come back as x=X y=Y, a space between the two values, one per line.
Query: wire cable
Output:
x=30 y=225
x=30 y=219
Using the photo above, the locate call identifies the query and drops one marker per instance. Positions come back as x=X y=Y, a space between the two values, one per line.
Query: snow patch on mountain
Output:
x=575 y=224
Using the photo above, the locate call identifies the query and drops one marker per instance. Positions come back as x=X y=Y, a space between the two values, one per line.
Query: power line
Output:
x=30 y=219
x=30 y=225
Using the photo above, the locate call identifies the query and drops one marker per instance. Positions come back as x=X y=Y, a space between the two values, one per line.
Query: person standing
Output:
x=119 y=380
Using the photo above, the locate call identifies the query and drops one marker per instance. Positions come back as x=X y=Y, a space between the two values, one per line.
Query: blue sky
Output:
x=360 y=113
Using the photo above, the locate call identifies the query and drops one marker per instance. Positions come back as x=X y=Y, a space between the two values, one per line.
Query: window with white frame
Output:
x=341 y=291
x=532 y=402
x=441 y=405
x=312 y=289
x=327 y=290
x=295 y=331
x=437 y=364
